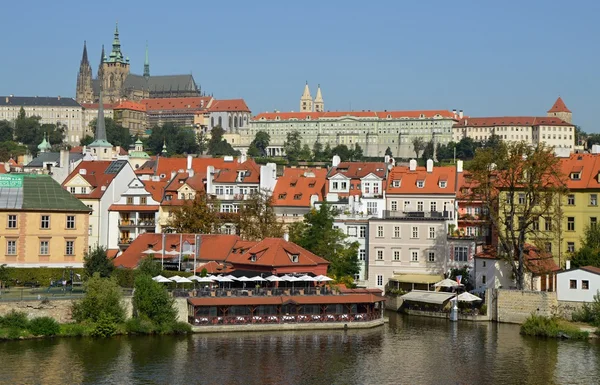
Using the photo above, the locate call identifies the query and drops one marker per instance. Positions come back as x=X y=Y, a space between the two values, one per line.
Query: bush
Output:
x=42 y=275
x=15 y=320
x=76 y=329
x=589 y=312
x=44 y=326
x=181 y=328
x=103 y=298
x=151 y=300
x=149 y=266
x=104 y=327
x=483 y=310
x=124 y=277
x=541 y=326
x=140 y=326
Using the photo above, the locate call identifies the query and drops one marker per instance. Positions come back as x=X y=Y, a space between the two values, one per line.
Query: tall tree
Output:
x=197 y=216
x=257 y=219
x=418 y=145
x=202 y=142
x=292 y=146
x=260 y=143
x=428 y=150
x=465 y=149
x=357 y=153
x=96 y=261
x=6 y=131
x=305 y=154
x=86 y=140
x=318 y=235
x=518 y=185
x=589 y=253
x=317 y=151
x=11 y=149
x=217 y=145
x=179 y=140
x=343 y=152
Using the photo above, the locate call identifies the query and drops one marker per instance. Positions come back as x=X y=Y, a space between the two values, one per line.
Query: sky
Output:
x=488 y=58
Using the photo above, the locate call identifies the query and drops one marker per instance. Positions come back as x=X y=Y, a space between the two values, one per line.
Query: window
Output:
x=415 y=232
x=585 y=285
x=12 y=221
x=548 y=224
x=420 y=183
x=219 y=190
x=352 y=231
x=573 y=284
x=433 y=206
x=593 y=221
x=380 y=255
x=294 y=258
x=419 y=206
x=144 y=200
x=396 y=255
x=229 y=190
x=362 y=232
x=483 y=279
x=83 y=190
x=129 y=200
x=344 y=185
x=396 y=183
x=483 y=264
x=379 y=231
x=335 y=186
x=571 y=200
x=379 y=280
x=394 y=206
x=432 y=233
x=72 y=190
x=571 y=247
x=45 y=223
x=443 y=184
x=461 y=253
x=414 y=256
x=548 y=247
x=521 y=198
x=44 y=247
x=593 y=199
x=362 y=255
x=406 y=205
x=11 y=247
x=372 y=208
x=70 y=221
x=69 y=247
x=536 y=224
x=90 y=229
x=571 y=223
x=396 y=231
x=431 y=256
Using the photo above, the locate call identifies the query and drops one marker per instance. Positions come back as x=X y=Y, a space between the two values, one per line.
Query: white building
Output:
x=491 y=273
x=578 y=285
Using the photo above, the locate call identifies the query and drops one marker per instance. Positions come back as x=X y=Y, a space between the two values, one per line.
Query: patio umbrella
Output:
x=447 y=283
x=161 y=279
x=257 y=279
x=274 y=278
x=291 y=278
x=194 y=278
x=175 y=278
x=205 y=279
x=151 y=251
x=232 y=277
x=323 y=278
x=468 y=297
x=184 y=280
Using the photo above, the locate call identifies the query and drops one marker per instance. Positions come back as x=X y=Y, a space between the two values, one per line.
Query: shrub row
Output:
x=41 y=275
x=15 y=324
x=541 y=326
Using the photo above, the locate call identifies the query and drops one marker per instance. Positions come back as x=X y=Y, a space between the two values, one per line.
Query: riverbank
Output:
x=553 y=327
x=288 y=326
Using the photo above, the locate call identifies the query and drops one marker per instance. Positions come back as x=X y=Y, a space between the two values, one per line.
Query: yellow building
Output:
x=43 y=225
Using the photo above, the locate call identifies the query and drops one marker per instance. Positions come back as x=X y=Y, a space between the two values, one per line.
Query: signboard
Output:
x=11 y=181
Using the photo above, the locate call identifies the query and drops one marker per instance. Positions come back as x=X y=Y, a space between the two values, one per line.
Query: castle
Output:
x=117 y=83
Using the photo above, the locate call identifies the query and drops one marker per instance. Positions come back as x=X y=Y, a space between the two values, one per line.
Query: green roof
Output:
x=36 y=192
x=138 y=154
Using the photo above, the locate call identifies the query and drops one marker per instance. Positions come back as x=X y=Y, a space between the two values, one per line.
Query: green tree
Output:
x=217 y=145
x=261 y=142
x=517 y=184
x=357 y=153
x=197 y=216
x=465 y=149
x=11 y=149
x=317 y=234
x=96 y=261
x=589 y=253
x=103 y=300
x=148 y=265
x=418 y=145
x=4 y=275
x=257 y=219
x=179 y=140
x=116 y=134
x=305 y=154
x=292 y=146
x=6 y=131
x=202 y=142
x=86 y=141
x=152 y=301
x=465 y=277
x=428 y=151
x=343 y=152
x=445 y=152
x=388 y=151
x=317 y=151
x=493 y=142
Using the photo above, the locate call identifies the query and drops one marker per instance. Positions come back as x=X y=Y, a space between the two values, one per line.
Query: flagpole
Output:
x=162 y=260
x=196 y=252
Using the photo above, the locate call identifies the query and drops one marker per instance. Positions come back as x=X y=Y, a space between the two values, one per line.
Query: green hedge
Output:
x=42 y=275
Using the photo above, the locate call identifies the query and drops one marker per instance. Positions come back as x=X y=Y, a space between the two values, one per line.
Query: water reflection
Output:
x=406 y=351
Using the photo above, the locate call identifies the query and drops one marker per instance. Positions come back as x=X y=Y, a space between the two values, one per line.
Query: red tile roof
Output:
x=588 y=168
x=229 y=105
x=139 y=208
x=213 y=267
x=166 y=104
x=228 y=172
x=273 y=252
x=425 y=114
x=294 y=188
x=591 y=269
x=95 y=175
x=156 y=189
x=358 y=170
x=129 y=105
x=511 y=121
x=536 y=261
x=408 y=180
x=559 y=106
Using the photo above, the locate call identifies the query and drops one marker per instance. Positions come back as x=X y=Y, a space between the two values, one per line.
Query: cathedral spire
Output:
x=102 y=60
x=116 y=55
x=146 y=63
x=84 y=57
x=84 y=91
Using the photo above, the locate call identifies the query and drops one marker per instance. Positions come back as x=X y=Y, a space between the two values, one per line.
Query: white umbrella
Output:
x=172 y=252
x=307 y=278
x=257 y=279
x=161 y=279
x=194 y=278
x=447 y=283
x=468 y=297
x=232 y=277
x=323 y=278
x=274 y=278
x=175 y=278
x=151 y=251
x=184 y=280
x=205 y=279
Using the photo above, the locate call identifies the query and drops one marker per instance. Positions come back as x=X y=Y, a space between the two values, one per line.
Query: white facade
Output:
x=357 y=230
x=577 y=285
x=489 y=273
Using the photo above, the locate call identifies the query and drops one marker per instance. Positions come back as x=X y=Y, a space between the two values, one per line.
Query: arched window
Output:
x=220 y=122
x=230 y=125
x=212 y=121
x=235 y=122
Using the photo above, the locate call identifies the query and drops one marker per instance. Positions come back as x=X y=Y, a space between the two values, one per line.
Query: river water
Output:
x=408 y=350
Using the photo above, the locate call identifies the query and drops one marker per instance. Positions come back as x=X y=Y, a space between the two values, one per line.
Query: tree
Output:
x=388 y=151
x=103 y=299
x=589 y=253
x=197 y=216
x=465 y=277
x=149 y=266
x=116 y=134
x=6 y=131
x=152 y=301
x=317 y=151
x=11 y=149
x=257 y=219
x=493 y=142
x=357 y=153
x=517 y=185
x=317 y=235
x=4 y=274
x=86 y=141
x=343 y=152
x=445 y=152
x=202 y=142
x=305 y=154
x=428 y=150
x=260 y=143
x=217 y=146
x=179 y=140
x=96 y=261
x=418 y=145
x=292 y=146
x=465 y=149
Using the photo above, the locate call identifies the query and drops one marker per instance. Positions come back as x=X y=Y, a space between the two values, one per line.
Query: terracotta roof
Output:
x=588 y=168
x=358 y=170
x=294 y=188
x=112 y=253
x=156 y=189
x=536 y=261
x=591 y=269
x=95 y=174
x=425 y=114
x=559 y=106
x=129 y=105
x=408 y=180
x=77 y=149
x=511 y=121
x=140 y=208
x=228 y=172
x=94 y=106
x=465 y=185
x=162 y=104
x=279 y=300
x=213 y=267
x=164 y=166
x=233 y=105
x=273 y=252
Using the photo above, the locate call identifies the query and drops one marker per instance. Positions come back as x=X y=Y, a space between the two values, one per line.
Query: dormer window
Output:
x=295 y=258
x=311 y=185
x=253 y=258
x=396 y=183
x=443 y=184
x=575 y=175
x=293 y=184
x=282 y=196
x=297 y=197
x=420 y=183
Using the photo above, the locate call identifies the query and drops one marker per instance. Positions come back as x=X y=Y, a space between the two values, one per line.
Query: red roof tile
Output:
x=358 y=170
x=156 y=189
x=591 y=269
x=232 y=105
x=559 y=106
x=511 y=121
x=408 y=180
x=228 y=172
x=95 y=175
x=166 y=104
x=129 y=105
x=296 y=186
x=536 y=261
x=273 y=252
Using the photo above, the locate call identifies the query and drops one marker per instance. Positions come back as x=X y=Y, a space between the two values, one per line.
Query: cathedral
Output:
x=117 y=83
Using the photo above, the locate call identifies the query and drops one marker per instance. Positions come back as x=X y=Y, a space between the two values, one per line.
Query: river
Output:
x=408 y=350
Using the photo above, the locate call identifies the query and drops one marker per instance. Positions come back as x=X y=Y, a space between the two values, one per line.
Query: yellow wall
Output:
x=581 y=211
x=29 y=234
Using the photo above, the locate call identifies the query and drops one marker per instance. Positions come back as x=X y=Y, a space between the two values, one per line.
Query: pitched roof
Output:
x=408 y=180
x=161 y=83
x=511 y=121
x=98 y=173
x=536 y=261
x=273 y=252
x=234 y=105
x=129 y=105
x=358 y=170
x=155 y=188
x=44 y=157
x=418 y=114
x=559 y=106
x=228 y=172
x=591 y=269
x=164 y=166
x=588 y=168
x=38 y=101
x=165 y=104
x=297 y=185
x=36 y=192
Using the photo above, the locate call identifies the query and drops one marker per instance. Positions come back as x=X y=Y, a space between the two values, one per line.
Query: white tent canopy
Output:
x=184 y=280
x=257 y=279
x=161 y=279
x=447 y=283
x=274 y=278
x=323 y=278
x=468 y=297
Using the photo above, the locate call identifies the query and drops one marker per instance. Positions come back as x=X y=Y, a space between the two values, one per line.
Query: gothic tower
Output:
x=102 y=59
x=306 y=102
x=85 y=92
x=115 y=69
x=560 y=110
x=319 y=103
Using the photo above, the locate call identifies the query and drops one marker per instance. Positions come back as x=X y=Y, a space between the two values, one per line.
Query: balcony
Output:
x=470 y=217
x=125 y=241
x=137 y=223
x=418 y=215
x=463 y=237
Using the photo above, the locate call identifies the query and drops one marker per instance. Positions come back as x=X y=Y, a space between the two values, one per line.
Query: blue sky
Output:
x=488 y=58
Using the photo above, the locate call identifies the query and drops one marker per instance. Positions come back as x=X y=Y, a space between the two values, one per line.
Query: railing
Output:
x=133 y=222
x=281 y=319
x=417 y=215
x=125 y=241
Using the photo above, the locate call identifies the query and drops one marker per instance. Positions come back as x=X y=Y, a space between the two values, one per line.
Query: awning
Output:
x=435 y=297
x=417 y=278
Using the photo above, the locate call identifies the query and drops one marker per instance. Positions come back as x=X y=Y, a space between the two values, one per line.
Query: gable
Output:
x=77 y=181
x=370 y=177
x=339 y=177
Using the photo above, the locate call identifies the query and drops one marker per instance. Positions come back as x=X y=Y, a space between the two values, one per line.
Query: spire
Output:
x=146 y=63
x=84 y=90
x=100 y=135
x=306 y=102
x=102 y=60
x=559 y=106
x=319 y=104
x=116 y=56
x=84 y=57
x=306 y=93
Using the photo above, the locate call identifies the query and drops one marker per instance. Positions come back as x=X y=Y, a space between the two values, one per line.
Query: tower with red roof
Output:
x=560 y=110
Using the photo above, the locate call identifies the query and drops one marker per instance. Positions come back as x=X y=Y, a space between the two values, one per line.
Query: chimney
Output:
x=454 y=113
x=210 y=170
x=64 y=160
x=189 y=163
x=286 y=236
x=243 y=158
x=58 y=97
x=386 y=159
x=459 y=166
x=7 y=99
x=460 y=114
x=335 y=161
x=412 y=165
x=568 y=264
x=173 y=173
x=429 y=165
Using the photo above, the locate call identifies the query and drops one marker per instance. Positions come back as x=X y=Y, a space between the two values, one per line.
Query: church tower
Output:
x=102 y=60
x=319 y=104
x=146 y=64
x=84 y=92
x=115 y=69
x=560 y=110
x=100 y=148
x=306 y=102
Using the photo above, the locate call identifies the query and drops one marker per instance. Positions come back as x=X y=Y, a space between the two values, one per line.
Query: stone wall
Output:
x=514 y=306
x=393 y=302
